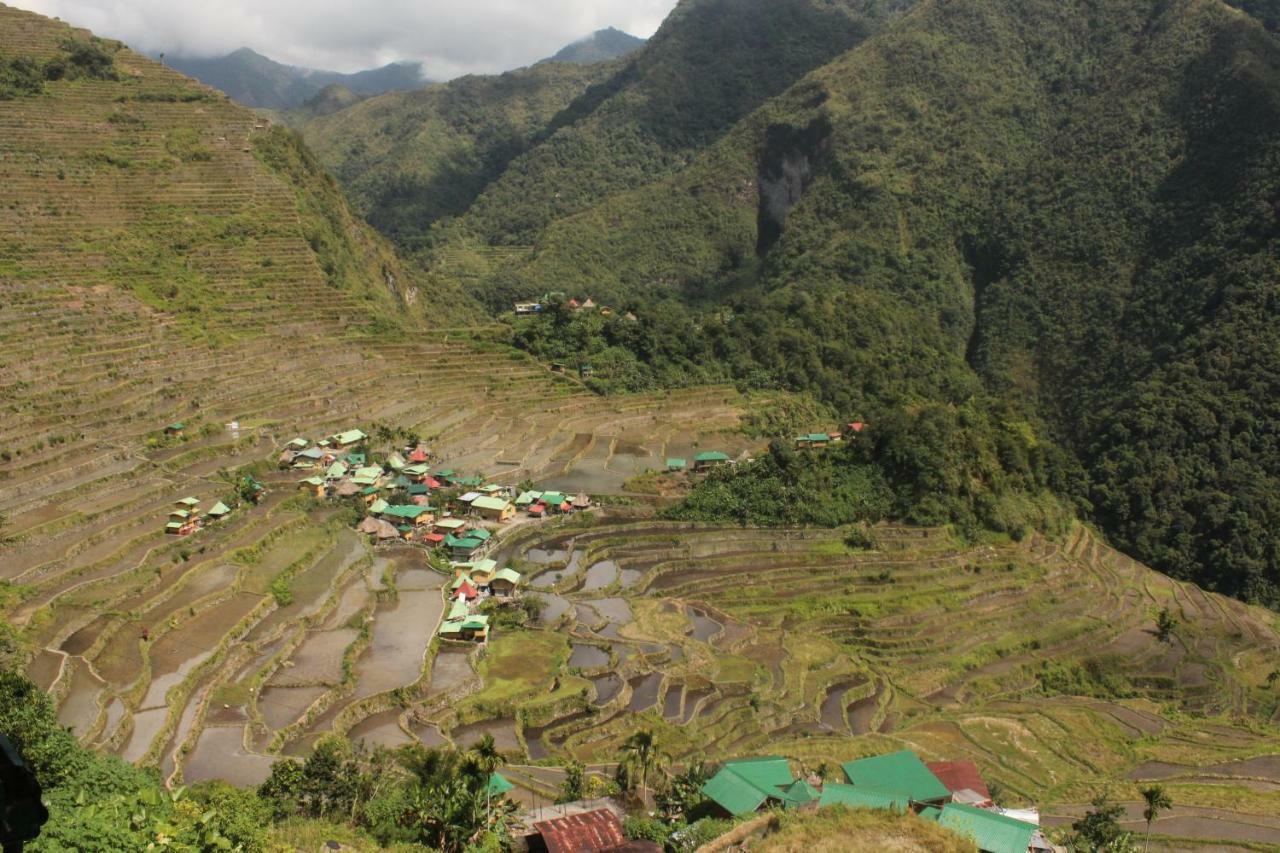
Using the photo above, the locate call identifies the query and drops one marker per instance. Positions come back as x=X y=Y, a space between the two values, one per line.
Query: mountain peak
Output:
x=600 y=46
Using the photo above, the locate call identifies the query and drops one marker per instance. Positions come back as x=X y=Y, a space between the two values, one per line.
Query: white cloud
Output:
x=449 y=37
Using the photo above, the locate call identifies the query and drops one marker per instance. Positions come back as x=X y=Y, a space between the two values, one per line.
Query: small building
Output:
x=710 y=459
x=412 y=513
x=527 y=498
x=355 y=460
x=419 y=456
x=675 y=463
x=188 y=503
x=476 y=627
x=812 y=440
x=991 y=832
x=312 y=485
x=554 y=502
x=581 y=502
x=901 y=773
x=297 y=443
x=175 y=428
x=853 y=428
x=349 y=438
x=308 y=458
x=505 y=582
x=336 y=471
x=585 y=832
x=451 y=629
x=449 y=524
x=743 y=785
x=219 y=510
x=586 y=371
x=528 y=307
x=396 y=462
x=493 y=509
x=463 y=549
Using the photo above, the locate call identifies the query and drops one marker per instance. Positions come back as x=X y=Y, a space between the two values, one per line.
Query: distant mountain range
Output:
x=257 y=81
x=602 y=45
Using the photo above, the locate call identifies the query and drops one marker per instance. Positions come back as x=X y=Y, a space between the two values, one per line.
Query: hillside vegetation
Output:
x=1042 y=231
x=410 y=159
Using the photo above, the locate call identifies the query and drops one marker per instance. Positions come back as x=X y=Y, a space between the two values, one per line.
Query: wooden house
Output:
x=505 y=582
x=493 y=509
x=710 y=459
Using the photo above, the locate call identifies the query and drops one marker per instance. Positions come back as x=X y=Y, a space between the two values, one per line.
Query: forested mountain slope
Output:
x=409 y=159
x=1058 y=217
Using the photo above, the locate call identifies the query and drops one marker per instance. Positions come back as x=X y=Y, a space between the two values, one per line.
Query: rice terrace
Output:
x=282 y=496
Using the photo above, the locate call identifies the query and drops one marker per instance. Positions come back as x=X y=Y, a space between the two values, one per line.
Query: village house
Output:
x=812 y=440
x=313 y=486
x=675 y=464
x=493 y=509
x=175 y=429
x=505 y=582
x=744 y=785
x=710 y=459
x=218 y=510
x=348 y=438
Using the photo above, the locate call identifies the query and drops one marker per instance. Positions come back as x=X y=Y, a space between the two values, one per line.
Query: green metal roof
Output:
x=351 y=436
x=297 y=442
x=190 y=501
x=459 y=581
x=451 y=523
x=374 y=471
x=416 y=470
x=481 y=534
x=174 y=525
x=487 y=565
x=497 y=504
x=835 y=793
x=459 y=610
x=992 y=832
x=675 y=463
x=931 y=813
x=898 y=772
x=799 y=793
x=354 y=459
x=711 y=456
x=744 y=783
x=179 y=513
x=405 y=511
x=498 y=785
x=219 y=509
x=453 y=626
x=176 y=425
x=313 y=481
x=378 y=507
x=468 y=543
x=476 y=623
x=507 y=574
x=552 y=498
x=336 y=470
x=527 y=498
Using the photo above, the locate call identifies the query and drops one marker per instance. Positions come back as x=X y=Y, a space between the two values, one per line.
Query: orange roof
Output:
x=587 y=832
x=959 y=776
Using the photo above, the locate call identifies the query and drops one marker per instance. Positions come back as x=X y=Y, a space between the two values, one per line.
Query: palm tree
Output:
x=487 y=759
x=643 y=756
x=1157 y=800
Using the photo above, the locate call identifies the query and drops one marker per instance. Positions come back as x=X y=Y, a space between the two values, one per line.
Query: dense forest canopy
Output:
x=1060 y=215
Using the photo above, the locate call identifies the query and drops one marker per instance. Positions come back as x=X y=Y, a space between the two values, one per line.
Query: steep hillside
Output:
x=711 y=63
x=602 y=45
x=409 y=159
x=1062 y=214
x=254 y=80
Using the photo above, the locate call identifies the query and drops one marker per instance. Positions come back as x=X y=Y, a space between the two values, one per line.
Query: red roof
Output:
x=959 y=775
x=434 y=537
x=856 y=426
x=588 y=832
x=537 y=509
x=467 y=590
x=419 y=455
x=432 y=483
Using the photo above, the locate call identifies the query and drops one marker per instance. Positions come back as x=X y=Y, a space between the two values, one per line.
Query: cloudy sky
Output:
x=450 y=37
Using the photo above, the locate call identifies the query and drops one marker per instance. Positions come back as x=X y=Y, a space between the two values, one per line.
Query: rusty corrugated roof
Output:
x=587 y=832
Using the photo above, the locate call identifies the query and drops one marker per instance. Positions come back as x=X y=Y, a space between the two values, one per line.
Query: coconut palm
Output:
x=643 y=758
x=1157 y=800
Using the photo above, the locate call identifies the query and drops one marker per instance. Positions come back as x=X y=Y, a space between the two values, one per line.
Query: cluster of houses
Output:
x=407 y=499
x=951 y=793
x=704 y=461
x=812 y=440
x=575 y=305
x=186 y=517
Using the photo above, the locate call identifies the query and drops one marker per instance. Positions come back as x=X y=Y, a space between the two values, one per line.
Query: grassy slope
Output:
x=408 y=159
x=839 y=828
x=1069 y=206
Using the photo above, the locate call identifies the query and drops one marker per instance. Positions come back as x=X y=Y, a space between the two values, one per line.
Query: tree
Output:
x=684 y=793
x=1099 y=829
x=1156 y=800
x=642 y=757
x=1165 y=623
x=571 y=790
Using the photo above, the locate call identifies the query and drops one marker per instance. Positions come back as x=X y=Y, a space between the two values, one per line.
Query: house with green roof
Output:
x=504 y=582
x=527 y=498
x=451 y=629
x=463 y=548
x=297 y=443
x=813 y=439
x=459 y=610
x=418 y=470
x=835 y=793
x=355 y=460
x=336 y=471
x=409 y=512
x=493 y=509
x=476 y=627
x=218 y=510
x=901 y=773
x=743 y=785
x=675 y=463
x=991 y=831
x=188 y=502
x=709 y=459
x=450 y=524
x=348 y=438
